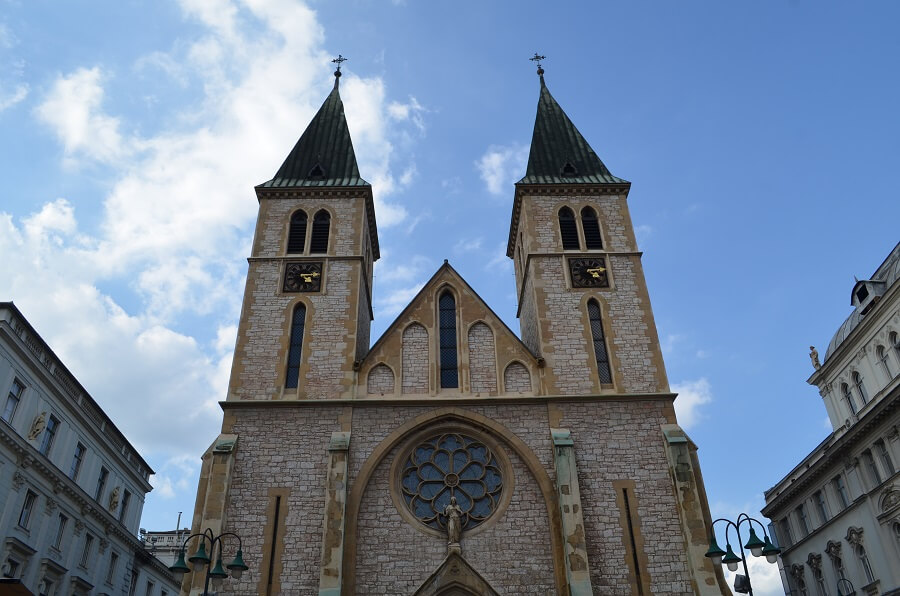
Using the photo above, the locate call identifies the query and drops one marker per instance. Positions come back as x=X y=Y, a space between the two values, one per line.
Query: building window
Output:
x=60 y=531
x=12 y=400
x=874 y=474
x=802 y=521
x=298 y=322
x=820 y=581
x=447 y=338
x=27 y=507
x=821 y=505
x=841 y=490
x=568 y=230
x=49 y=435
x=12 y=568
x=318 y=243
x=864 y=563
x=591 y=227
x=860 y=387
x=884 y=358
x=845 y=390
x=101 y=483
x=126 y=497
x=784 y=533
x=600 y=354
x=149 y=591
x=838 y=564
x=895 y=341
x=77 y=460
x=885 y=457
x=297 y=232
x=86 y=552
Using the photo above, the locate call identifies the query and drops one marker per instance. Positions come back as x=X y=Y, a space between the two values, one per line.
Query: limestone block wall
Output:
x=516 y=378
x=345 y=238
x=482 y=359
x=415 y=359
x=381 y=381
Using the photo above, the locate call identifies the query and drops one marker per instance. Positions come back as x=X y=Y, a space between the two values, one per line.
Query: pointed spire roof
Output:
x=559 y=154
x=324 y=154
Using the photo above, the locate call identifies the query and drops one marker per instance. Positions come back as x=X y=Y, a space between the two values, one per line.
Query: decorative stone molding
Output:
x=833 y=549
x=890 y=499
x=104 y=544
x=18 y=480
x=854 y=535
x=797 y=571
x=814 y=560
x=50 y=506
x=79 y=527
x=37 y=426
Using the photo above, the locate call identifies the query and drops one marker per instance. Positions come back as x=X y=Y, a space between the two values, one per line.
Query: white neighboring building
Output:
x=165 y=545
x=837 y=513
x=71 y=486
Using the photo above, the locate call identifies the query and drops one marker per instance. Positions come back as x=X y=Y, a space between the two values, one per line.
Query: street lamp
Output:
x=200 y=559
x=757 y=548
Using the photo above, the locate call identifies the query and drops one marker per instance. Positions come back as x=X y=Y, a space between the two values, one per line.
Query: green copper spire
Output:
x=324 y=154
x=559 y=154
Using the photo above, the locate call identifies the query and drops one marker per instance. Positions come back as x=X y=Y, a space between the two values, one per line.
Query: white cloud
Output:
x=691 y=396
x=464 y=245
x=390 y=305
x=499 y=261
x=668 y=342
x=73 y=110
x=412 y=111
x=10 y=98
x=764 y=576
x=501 y=166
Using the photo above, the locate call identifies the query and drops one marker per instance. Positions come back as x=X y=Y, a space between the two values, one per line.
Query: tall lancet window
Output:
x=568 y=231
x=296 y=348
x=591 y=227
x=319 y=241
x=600 y=353
x=297 y=232
x=447 y=320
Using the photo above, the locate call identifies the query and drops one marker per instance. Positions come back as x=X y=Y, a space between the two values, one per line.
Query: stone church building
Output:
x=451 y=455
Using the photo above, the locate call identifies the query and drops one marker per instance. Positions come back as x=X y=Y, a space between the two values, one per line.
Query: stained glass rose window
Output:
x=451 y=465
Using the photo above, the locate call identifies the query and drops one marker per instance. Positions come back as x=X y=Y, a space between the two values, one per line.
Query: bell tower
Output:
x=307 y=306
x=583 y=304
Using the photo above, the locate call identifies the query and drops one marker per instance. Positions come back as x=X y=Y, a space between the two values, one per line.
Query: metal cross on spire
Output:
x=338 y=61
x=537 y=59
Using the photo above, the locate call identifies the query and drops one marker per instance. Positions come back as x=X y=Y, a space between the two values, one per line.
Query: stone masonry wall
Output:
x=482 y=359
x=616 y=440
x=516 y=379
x=344 y=238
x=279 y=448
x=381 y=381
x=415 y=359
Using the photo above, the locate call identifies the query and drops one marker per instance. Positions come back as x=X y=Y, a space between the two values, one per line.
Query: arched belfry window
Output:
x=297 y=232
x=600 y=354
x=319 y=241
x=591 y=227
x=568 y=231
x=298 y=321
x=447 y=322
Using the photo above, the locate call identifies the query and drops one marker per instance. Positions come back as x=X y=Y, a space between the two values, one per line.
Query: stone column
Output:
x=568 y=493
x=331 y=574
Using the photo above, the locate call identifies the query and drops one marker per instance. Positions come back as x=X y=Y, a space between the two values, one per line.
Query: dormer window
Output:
x=861 y=294
x=569 y=170
x=866 y=293
x=317 y=172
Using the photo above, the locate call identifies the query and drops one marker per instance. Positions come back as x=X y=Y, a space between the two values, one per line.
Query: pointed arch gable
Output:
x=483 y=423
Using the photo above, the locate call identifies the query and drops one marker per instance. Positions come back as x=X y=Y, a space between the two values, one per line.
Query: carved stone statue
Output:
x=38 y=426
x=114 y=500
x=454 y=523
x=814 y=357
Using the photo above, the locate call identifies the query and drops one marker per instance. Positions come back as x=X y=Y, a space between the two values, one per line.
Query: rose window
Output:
x=451 y=465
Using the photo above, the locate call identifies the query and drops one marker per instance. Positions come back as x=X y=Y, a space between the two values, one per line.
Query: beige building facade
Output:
x=452 y=456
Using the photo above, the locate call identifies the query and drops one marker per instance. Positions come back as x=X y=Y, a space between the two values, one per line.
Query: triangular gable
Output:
x=472 y=309
x=455 y=576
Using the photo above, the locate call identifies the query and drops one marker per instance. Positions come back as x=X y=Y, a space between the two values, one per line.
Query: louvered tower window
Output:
x=447 y=319
x=602 y=357
x=297 y=232
x=319 y=241
x=568 y=231
x=591 y=227
x=298 y=321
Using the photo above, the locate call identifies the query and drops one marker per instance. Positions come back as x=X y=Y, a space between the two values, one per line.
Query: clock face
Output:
x=589 y=272
x=303 y=277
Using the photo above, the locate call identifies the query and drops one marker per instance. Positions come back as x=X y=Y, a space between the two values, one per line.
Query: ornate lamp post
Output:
x=756 y=547
x=200 y=559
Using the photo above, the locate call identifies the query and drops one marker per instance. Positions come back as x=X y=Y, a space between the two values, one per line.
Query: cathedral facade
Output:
x=452 y=456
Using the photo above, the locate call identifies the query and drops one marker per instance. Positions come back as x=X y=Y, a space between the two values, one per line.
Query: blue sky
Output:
x=760 y=140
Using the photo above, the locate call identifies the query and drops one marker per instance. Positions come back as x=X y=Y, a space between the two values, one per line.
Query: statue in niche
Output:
x=454 y=522
x=38 y=426
x=814 y=357
x=114 y=500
